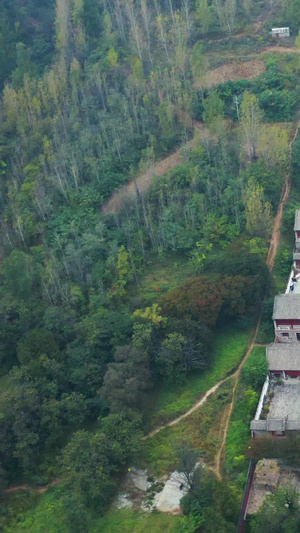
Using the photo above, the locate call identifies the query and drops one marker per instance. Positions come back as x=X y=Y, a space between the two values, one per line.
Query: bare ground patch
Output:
x=142 y=183
x=234 y=71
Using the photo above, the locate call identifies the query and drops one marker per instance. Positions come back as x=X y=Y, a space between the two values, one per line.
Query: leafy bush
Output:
x=278 y=105
x=256 y=368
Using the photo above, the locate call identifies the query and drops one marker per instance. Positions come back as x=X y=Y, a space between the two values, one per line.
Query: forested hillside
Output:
x=92 y=94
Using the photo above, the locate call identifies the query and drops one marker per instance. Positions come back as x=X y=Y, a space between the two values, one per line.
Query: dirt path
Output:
x=280 y=49
x=274 y=242
x=273 y=247
x=218 y=458
x=190 y=411
x=210 y=391
x=36 y=489
x=143 y=182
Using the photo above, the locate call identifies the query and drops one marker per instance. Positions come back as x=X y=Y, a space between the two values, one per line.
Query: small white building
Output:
x=280 y=33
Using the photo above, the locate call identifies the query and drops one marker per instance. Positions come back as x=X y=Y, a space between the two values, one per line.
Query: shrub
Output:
x=255 y=369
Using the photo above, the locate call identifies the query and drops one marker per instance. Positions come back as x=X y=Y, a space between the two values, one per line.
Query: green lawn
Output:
x=170 y=401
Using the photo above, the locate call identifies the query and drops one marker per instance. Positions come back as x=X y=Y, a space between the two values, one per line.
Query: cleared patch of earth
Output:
x=148 y=494
x=274 y=476
x=280 y=49
x=142 y=183
x=246 y=70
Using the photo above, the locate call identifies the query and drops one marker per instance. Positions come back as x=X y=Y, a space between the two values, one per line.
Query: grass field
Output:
x=202 y=430
x=47 y=514
x=161 y=275
x=169 y=402
x=247 y=396
x=128 y=521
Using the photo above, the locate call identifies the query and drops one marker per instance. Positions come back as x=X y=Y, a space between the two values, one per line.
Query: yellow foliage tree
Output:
x=150 y=314
x=273 y=146
x=124 y=273
x=257 y=211
x=112 y=57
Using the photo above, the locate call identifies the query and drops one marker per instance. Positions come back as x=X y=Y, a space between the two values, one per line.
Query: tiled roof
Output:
x=275 y=424
x=282 y=356
x=292 y=425
x=286 y=306
x=272 y=425
x=258 y=425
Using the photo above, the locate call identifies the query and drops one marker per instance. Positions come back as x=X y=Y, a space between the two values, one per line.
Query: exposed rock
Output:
x=168 y=501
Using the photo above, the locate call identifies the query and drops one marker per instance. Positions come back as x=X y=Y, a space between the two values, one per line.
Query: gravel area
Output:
x=286 y=400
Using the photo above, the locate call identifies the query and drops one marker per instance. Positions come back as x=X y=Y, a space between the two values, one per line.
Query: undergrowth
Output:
x=247 y=396
x=202 y=429
x=170 y=401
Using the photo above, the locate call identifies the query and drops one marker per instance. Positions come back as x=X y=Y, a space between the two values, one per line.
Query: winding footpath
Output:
x=273 y=247
x=142 y=183
x=112 y=206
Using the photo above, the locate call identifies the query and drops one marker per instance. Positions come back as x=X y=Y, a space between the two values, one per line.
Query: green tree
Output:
x=251 y=116
x=35 y=343
x=87 y=469
x=199 y=64
x=90 y=460
x=171 y=356
x=273 y=147
x=258 y=212
x=204 y=15
x=213 y=112
x=24 y=66
x=126 y=379
x=124 y=272
x=20 y=275
x=279 y=513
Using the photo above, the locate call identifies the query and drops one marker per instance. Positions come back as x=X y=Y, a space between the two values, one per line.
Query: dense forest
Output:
x=93 y=93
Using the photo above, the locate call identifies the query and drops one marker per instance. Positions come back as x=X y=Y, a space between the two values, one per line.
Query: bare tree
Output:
x=189 y=466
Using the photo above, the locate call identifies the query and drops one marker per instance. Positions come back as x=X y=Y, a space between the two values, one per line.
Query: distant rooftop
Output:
x=282 y=356
x=281 y=30
x=286 y=306
x=297 y=220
